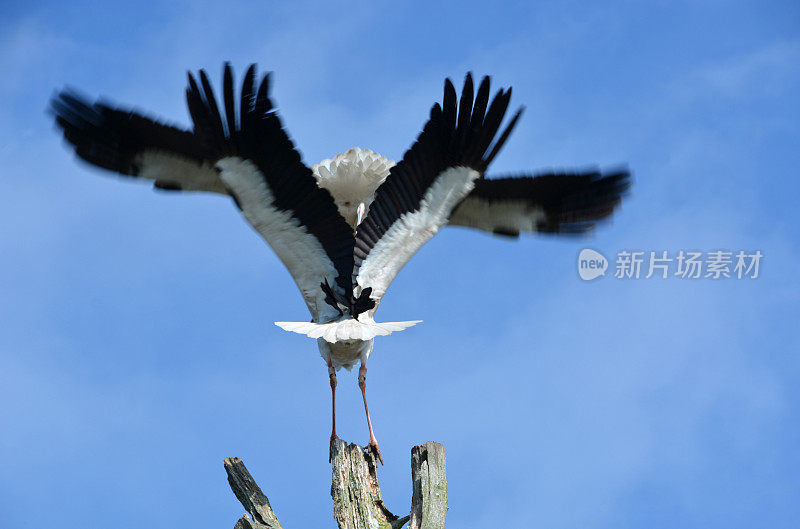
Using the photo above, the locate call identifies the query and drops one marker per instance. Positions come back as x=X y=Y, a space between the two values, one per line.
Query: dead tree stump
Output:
x=357 y=500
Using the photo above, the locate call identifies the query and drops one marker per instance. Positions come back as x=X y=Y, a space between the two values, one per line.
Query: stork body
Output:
x=352 y=179
x=345 y=227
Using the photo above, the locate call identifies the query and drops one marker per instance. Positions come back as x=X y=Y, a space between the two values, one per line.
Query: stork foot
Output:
x=373 y=448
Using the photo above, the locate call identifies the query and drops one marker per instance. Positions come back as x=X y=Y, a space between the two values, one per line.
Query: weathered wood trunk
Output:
x=429 y=500
x=357 y=500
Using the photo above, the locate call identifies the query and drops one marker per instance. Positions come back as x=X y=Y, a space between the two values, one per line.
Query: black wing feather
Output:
x=571 y=202
x=112 y=139
x=227 y=93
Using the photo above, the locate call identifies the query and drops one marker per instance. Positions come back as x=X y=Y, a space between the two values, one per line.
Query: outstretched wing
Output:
x=130 y=144
x=563 y=203
x=454 y=149
x=246 y=155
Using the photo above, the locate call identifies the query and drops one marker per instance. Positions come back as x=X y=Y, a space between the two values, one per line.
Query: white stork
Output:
x=345 y=228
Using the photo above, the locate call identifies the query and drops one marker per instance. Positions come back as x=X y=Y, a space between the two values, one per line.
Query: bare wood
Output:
x=250 y=496
x=357 y=500
x=245 y=522
x=429 y=477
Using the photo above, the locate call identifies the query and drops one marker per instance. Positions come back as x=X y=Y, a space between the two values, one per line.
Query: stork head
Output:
x=352 y=178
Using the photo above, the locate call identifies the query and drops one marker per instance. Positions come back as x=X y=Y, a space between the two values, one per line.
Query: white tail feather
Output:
x=341 y=331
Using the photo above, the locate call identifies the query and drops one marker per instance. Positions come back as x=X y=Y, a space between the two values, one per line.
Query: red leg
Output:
x=362 y=383
x=332 y=373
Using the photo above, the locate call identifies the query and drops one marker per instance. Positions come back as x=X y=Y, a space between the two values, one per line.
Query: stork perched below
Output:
x=345 y=227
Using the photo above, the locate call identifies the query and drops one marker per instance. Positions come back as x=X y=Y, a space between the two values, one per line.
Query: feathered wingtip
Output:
x=346 y=330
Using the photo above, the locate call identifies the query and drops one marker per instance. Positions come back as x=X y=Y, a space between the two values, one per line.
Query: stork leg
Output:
x=332 y=374
x=362 y=383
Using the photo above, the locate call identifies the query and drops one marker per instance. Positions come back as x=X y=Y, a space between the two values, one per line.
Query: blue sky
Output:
x=137 y=346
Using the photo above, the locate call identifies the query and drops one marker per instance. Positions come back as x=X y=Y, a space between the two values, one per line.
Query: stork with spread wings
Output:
x=345 y=227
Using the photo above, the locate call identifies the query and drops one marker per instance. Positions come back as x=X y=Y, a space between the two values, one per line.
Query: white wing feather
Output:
x=508 y=215
x=413 y=229
x=172 y=169
x=300 y=251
